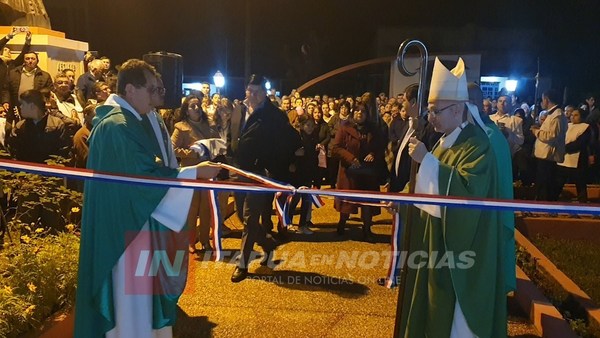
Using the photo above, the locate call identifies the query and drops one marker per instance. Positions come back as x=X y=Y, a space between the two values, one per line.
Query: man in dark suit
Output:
x=20 y=79
x=8 y=63
x=266 y=146
x=238 y=119
x=417 y=126
x=398 y=129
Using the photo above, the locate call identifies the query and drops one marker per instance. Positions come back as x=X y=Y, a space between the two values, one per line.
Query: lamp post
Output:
x=219 y=81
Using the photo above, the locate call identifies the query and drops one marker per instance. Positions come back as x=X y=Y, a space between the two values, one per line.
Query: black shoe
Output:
x=368 y=236
x=382 y=281
x=340 y=228
x=281 y=234
x=239 y=275
x=225 y=231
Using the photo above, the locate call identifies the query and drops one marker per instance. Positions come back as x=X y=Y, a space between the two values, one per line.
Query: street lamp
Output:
x=268 y=85
x=219 y=81
x=511 y=85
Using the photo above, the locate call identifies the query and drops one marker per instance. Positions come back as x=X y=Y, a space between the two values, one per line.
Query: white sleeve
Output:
x=516 y=135
x=428 y=183
x=172 y=211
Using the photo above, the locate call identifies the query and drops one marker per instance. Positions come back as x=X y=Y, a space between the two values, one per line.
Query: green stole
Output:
x=505 y=191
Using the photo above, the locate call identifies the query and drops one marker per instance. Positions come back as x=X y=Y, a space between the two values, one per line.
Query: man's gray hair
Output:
x=95 y=64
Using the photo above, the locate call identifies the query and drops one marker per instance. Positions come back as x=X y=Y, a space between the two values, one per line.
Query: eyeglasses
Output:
x=157 y=90
x=439 y=111
x=61 y=82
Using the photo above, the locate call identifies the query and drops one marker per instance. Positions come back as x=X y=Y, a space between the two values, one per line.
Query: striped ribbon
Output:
x=317 y=201
x=274 y=187
x=393 y=269
x=392 y=277
x=367 y=198
x=282 y=207
x=215 y=222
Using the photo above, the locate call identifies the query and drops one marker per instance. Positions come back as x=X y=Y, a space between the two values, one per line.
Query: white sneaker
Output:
x=304 y=230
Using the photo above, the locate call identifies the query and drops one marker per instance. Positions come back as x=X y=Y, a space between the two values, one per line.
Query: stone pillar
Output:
x=55 y=51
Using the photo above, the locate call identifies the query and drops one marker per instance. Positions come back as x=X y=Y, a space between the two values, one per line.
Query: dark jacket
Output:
x=238 y=116
x=32 y=142
x=42 y=81
x=398 y=129
x=85 y=87
x=267 y=141
x=6 y=66
x=307 y=164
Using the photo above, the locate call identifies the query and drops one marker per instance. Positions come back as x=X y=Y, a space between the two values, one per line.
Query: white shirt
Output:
x=514 y=126
x=67 y=108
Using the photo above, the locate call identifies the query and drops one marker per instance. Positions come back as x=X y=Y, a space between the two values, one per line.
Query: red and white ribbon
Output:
x=317 y=201
x=366 y=198
x=215 y=223
x=393 y=275
x=282 y=206
x=273 y=186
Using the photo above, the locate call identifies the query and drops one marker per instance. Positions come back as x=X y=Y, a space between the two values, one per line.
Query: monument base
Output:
x=55 y=51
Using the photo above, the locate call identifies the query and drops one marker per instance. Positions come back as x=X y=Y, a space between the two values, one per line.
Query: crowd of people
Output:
x=350 y=142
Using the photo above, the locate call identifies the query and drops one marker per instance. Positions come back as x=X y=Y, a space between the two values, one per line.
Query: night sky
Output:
x=210 y=34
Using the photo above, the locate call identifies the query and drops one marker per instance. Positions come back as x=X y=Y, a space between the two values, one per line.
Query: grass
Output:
x=578 y=259
x=38 y=276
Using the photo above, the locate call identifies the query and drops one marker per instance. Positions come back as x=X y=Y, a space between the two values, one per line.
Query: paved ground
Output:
x=310 y=293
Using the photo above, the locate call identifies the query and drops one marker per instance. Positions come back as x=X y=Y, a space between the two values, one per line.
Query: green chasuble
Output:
x=505 y=191
x=461 y=255
x=119 y=143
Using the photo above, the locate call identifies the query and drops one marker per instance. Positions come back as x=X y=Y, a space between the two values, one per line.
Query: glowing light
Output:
x=193 y=85
x=511 y=85
x=219 y=79
x=492 y=79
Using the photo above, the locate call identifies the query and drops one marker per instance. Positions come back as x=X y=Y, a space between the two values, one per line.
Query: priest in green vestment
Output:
x=455 y=283
x=123 y=290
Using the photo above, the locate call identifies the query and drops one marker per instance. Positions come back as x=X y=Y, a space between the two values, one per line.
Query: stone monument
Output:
x=55 y=51
x=24 y=13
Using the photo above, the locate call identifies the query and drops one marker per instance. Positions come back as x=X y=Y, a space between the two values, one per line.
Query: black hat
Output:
x=257 y=80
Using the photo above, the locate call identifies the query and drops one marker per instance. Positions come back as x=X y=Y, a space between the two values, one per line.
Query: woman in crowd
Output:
x=333 y=107
x=358 y=146
x=325 y=111
x=577 y=148
x=196 y=125
x=324 y=136
x=334 y=125
x=306 y=171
